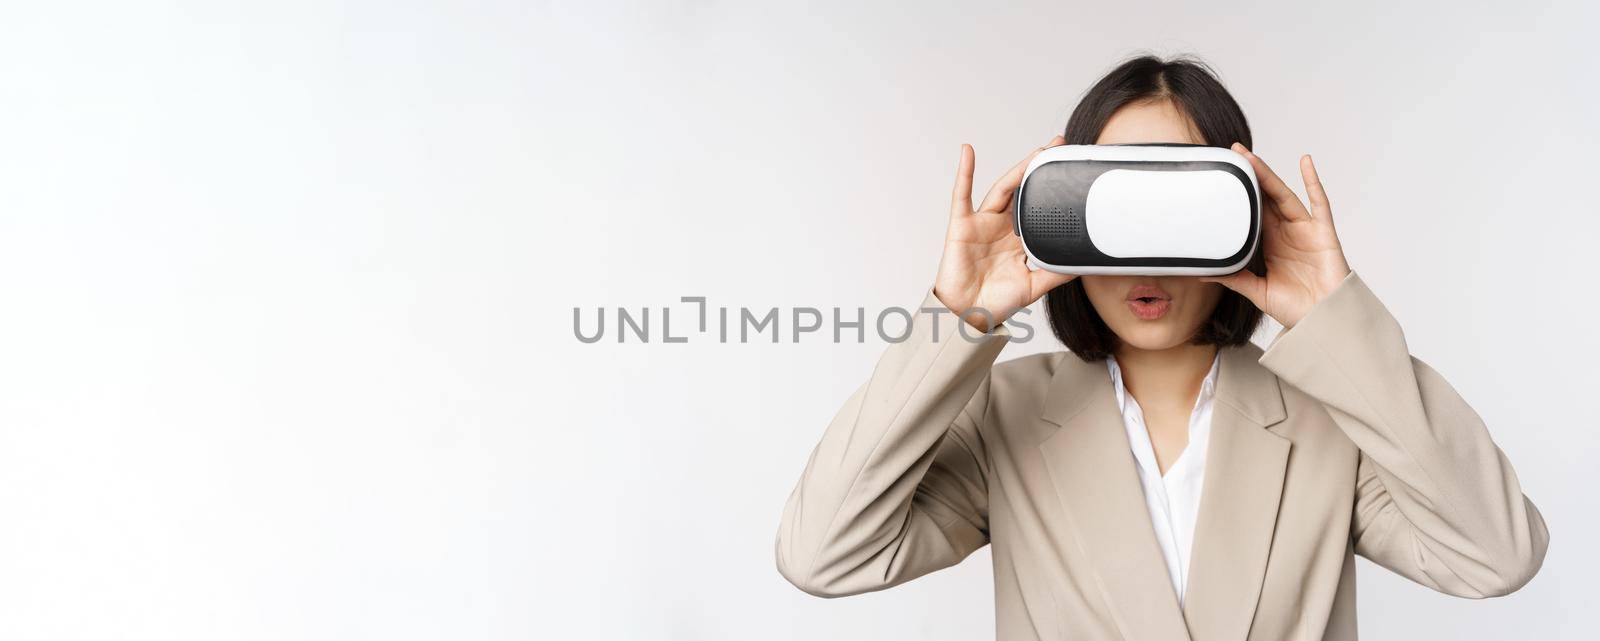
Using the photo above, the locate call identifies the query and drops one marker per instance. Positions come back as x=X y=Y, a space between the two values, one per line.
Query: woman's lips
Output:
x=1148 y=302
x=1149 y=309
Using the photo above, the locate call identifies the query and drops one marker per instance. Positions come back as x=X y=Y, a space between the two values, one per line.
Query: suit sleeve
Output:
x=1436 y=499
x=896 y=488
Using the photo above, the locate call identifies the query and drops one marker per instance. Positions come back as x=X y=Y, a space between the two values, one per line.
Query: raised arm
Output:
x=1436 y=499
x=896 y=488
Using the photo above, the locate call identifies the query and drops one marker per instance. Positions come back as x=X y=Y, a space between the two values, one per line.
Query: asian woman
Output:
x=1163 y=477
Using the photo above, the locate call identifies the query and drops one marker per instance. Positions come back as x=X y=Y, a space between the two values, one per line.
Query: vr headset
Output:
x=1157 y=209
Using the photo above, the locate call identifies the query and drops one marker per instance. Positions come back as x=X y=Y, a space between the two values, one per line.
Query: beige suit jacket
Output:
x=1332 y=442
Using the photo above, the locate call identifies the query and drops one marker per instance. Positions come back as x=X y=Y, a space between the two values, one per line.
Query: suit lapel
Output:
x=1096 y=481
x=1245 y=465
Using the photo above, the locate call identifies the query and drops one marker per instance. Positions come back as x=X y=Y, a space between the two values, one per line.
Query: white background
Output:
x=286 y=290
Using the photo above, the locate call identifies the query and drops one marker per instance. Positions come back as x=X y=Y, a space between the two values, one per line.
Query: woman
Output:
x=1166 y=478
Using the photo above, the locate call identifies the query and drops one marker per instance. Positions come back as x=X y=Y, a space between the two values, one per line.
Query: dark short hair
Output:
x=1193 y=88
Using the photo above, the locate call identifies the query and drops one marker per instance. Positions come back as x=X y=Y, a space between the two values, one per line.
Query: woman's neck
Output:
x=1169 y=376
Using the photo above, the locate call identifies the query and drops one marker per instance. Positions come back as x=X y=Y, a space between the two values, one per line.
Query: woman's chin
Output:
x=1151 y=336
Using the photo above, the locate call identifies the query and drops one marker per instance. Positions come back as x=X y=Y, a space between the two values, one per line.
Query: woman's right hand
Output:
x=984 y=266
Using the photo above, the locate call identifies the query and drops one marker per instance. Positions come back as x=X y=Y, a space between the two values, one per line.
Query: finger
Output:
x=1288 y=204
x=999 y=196
x=1248 y=285
x=961 y=197
x=1042 y=281
x=1270 y=219
x=1320 y=208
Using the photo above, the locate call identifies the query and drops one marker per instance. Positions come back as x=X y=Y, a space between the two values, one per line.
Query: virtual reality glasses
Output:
x=1158 y=209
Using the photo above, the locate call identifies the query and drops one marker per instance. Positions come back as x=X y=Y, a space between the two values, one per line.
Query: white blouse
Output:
x=1174 y=499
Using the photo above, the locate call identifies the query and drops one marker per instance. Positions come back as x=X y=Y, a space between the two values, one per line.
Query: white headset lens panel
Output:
x=1178 y=214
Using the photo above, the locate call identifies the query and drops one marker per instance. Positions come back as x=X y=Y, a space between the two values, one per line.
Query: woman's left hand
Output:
x=1303 y=256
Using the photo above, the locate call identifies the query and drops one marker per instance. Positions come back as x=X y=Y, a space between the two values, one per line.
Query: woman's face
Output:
x=1151 y=312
